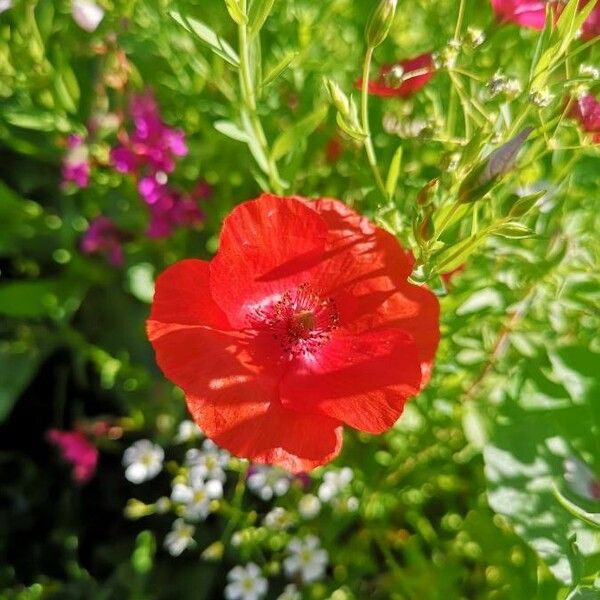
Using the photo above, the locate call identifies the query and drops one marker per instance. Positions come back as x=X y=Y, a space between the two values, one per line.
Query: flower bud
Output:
x=484 y=176
x=380 y=22
x=427 y=191
x=337 y=97
x=214 y=551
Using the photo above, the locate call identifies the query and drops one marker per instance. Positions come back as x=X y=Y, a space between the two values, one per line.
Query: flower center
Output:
x=301 y=321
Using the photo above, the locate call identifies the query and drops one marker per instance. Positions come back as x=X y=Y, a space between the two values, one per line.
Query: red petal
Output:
x=362 y=380
x=182 y=297
x=236 y=402
x=268 y=433
x=408 y=87
x=410 y=308
x=265 y=247
x=366 y=272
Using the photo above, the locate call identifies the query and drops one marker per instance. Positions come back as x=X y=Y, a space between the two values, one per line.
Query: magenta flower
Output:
x=170 y=211
x=76 y=164
x=526 y=13
x=152 y=145
x=591 y=26
x=77 y=450
x=103 y=236
x=586 y=110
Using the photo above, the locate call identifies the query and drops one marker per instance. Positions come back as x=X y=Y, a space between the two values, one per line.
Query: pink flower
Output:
x=526 y=13
x=76 y=449
x=586 y=110
x=412 y=75
x=591 y=26
x=532 y=14
x=152 y=145
x=76 y=164
x=103 y=236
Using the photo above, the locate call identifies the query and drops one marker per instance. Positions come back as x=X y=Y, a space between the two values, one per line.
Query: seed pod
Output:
x=482 y=178
x=380 y=22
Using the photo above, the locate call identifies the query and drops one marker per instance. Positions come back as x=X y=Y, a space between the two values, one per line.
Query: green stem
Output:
x=459 y=19
x=249 y=101
x=364 y=107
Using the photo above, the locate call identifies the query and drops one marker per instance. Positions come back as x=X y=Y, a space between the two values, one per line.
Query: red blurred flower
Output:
x=411 y=75
x=303 y=321
x=77 y=450
x=586 y=110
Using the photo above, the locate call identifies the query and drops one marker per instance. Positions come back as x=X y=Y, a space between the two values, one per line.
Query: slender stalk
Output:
x=364 y=107
x=459 y=19
x=249 y=102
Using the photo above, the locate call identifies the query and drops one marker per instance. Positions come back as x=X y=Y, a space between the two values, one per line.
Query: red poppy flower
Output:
x=303 y=321
x=586 y=110
x=422 y=68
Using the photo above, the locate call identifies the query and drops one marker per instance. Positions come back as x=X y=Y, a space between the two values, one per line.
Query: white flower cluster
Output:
x=267 y=482
x=305 y=559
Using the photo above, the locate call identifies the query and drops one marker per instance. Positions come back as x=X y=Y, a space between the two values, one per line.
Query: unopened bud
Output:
x=426 y=229
x=380 y=22
x=214 y=551
x=427 y=191
x=337 y=97
x=482 y=178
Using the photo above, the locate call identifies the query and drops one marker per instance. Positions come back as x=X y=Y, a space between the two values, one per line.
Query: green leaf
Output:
x=40 y=298
x=289 y=139
x=279 y=68
x=456 y=255
x=524 y=204
x=231 y=130
x=392 y=177
x=259 y=11
x=235 y=12
x=528 y=446
x=513 y=230
x=17 y=369
x=584 y=593
x=208 y=37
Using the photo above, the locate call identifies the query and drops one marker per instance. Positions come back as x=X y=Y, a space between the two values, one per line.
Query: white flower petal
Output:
x=87 y=15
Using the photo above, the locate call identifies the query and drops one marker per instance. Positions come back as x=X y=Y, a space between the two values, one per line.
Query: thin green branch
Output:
x=364 y=107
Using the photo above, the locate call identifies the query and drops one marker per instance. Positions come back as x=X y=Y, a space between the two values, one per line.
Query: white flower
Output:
x=267 y=482
x=309 y=506
x=207 y=463
x=245 y=583
x=290 y=593
x=197 y=496
x=143 y=460
x=306 y=558
x=581 y=479
x=187 y=431
x=278 y=518
x=180 y=537
x=334 y=482
x=87 y=14
x=5 y=5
